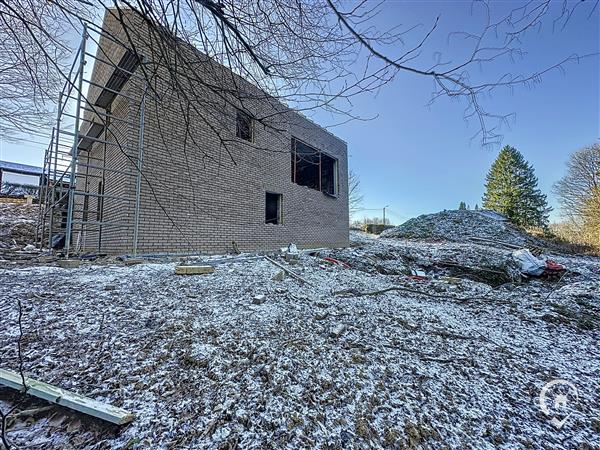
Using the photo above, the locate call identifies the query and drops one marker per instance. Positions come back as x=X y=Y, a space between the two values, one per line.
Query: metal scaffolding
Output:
x=81 y=183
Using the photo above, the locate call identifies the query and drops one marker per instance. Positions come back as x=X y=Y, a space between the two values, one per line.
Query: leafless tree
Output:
x=579 y=193
x=355 y=196
x=582 y=178
x=33 y=46
x=310 y=55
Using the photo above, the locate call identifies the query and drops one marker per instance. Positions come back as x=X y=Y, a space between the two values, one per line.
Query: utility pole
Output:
x=386 y=206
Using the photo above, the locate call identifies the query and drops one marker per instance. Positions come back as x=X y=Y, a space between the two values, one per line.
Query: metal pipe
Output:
x=75 y=144
x=43 y=192
x=102 y=184
x=107 y=114
x=109 y=89
x=91 y=166
x=138 y=183
x=111 y=197
x=53 y=191
x=101 y=140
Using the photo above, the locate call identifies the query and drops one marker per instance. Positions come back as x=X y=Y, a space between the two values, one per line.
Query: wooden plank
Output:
x=66 y=398
x=194 y=270
x=288 y=271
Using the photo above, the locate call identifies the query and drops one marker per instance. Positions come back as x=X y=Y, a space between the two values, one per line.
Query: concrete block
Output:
x=259 y=299
x=194 y=270
x=279 y=276
x=133 y=261
x=69 y=263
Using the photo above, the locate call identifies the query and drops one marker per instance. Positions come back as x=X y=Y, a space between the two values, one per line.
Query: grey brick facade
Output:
x=203 y=188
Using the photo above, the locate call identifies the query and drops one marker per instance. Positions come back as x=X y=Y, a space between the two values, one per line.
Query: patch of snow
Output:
x=317 y=365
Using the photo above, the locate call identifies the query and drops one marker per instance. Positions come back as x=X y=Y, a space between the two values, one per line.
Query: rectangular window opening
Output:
x=243 y=126
x=314 y=169
x=273 y=208
x=328 y=175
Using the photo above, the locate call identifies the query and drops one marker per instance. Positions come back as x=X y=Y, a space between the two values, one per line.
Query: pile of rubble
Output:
x=465 y=226
x=17 y=225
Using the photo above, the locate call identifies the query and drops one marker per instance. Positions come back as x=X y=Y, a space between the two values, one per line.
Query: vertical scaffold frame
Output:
x=77 y=153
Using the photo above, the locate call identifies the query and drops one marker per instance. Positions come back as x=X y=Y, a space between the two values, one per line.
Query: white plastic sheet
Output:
x=530 y=265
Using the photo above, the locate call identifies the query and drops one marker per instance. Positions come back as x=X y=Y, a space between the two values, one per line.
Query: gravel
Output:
x=463 y=226
x=203 y=366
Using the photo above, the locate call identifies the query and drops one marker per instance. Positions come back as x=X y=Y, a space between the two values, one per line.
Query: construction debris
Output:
x=132 y=261
x=65 y=398
x=337 y=330
x=194 y=270
x=363 y=356
x=462 y=226
x=259 y=299
x=17 y=225
x=69 y=263
x=286 y=270
x=533 y=266
x=335 y=261
x=279 y=276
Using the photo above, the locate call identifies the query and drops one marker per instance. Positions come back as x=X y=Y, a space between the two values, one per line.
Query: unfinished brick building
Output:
x=222 y=169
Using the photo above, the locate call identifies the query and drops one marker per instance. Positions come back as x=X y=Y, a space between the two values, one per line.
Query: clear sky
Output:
x=421 y=159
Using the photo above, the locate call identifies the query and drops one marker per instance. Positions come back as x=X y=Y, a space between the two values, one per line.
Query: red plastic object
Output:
x=417 y=277
x=335 y=261
x=551 y=265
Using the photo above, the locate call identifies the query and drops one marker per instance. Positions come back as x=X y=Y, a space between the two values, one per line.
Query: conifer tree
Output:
x=511 y=189
x=462 y=206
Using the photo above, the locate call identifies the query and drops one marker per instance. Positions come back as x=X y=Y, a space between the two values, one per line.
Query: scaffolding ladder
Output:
x=84 y=139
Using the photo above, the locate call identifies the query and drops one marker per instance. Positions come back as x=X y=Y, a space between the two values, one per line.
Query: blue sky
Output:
x=421 y=159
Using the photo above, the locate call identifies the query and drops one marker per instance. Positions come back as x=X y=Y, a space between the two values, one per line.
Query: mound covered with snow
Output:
x=463 y=226
x=17 y=224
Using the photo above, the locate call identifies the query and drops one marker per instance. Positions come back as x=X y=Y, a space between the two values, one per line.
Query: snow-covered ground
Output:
x=460 y=365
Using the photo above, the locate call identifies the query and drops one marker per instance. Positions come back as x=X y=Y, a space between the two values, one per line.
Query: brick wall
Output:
x=203 y=188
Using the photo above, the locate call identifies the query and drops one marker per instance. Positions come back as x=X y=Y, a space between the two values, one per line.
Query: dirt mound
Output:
x=17 y=224
x=464 y=226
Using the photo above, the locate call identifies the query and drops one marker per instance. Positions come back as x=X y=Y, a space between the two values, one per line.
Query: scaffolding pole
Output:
x=138 y=181
x=101 y=167
x=72 y=179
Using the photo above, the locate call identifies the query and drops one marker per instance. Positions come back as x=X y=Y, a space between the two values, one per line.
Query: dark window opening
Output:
x=328 y=175
x=273 y=208
x=307 y=166
x=243 y=126
x=314 y=169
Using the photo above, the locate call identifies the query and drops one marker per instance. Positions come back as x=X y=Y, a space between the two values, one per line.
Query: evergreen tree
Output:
x=462 y=206
x=511 y=189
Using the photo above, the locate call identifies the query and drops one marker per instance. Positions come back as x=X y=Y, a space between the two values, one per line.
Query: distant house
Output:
x=19 y=179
